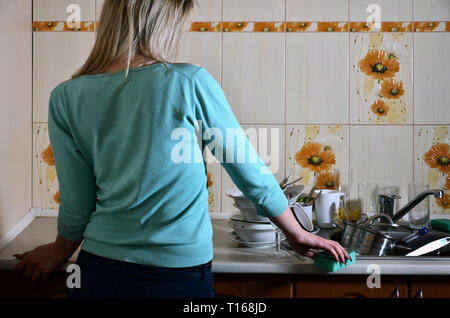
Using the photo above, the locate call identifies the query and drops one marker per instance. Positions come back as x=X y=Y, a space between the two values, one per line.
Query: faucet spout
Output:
x=437 y=193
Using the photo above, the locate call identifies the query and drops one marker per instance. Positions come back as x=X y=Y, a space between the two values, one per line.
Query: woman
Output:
x=143 y=214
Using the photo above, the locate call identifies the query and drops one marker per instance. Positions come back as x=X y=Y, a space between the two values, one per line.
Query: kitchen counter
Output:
x=230 y=257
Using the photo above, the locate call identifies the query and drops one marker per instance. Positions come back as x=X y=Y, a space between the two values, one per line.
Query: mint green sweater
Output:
x=129 y=185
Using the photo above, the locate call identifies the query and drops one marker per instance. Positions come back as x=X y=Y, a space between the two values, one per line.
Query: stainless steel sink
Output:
x=442 y=254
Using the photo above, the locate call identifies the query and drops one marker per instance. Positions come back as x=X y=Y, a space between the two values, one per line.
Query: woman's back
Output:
x=123 y=132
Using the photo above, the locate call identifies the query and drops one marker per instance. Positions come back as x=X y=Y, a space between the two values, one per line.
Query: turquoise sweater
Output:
x=127 y=158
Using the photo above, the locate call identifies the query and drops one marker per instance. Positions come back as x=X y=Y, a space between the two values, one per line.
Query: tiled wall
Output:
x=300 y=68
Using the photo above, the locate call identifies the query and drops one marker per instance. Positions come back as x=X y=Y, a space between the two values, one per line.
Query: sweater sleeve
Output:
x=228 y=142
x=77 y=186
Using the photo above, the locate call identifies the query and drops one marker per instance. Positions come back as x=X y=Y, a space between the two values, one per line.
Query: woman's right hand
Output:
x=302 y=241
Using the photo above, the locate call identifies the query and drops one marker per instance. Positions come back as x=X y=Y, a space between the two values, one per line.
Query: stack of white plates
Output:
x=252 y=233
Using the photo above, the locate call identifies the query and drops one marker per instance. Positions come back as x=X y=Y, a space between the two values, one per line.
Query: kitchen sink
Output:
x=414 y=243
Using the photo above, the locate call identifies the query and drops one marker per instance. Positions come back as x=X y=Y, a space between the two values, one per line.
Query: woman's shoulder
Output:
x=187 y=69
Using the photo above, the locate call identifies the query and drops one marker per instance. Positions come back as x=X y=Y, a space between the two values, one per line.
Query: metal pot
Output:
x=365 y=240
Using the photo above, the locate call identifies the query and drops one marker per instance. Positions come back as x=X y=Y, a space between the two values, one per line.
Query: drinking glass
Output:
x=419 y=216
x=367 y=195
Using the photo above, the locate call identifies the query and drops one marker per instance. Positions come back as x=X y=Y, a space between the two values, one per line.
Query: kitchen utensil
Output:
x=326 y=206
x=365 y=240
x=285 y=180
x=325 y=260
x=290 y=183
x=302 y=217
x=239 y=198
x=430 y=247
x=248 y=225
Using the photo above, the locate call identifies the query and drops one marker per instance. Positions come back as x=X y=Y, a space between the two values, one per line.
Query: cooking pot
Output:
x=367 y=240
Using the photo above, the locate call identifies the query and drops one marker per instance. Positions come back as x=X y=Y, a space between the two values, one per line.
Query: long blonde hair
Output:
x=149 y=29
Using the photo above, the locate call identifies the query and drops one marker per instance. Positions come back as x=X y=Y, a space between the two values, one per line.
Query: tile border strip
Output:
x=270 y=26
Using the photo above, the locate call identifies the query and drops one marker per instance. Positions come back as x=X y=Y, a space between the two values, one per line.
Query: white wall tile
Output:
x=317 y=78
x=273 y=157
x=207 y=10
x=434 y=10
x=253 y=10
x=202 y=49
x=364 y=89
x=98 y=8
x=383 y=155
x=431 y=75
x=317 y=10
x=56 y=10
x=390 y=10
x=15 y=112
x=56 y=56
x=253 y=76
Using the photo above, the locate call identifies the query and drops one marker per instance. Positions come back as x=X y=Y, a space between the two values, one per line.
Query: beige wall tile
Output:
x=56 y=56
x=431 y=78
x=383 y=155
x=365 y=89
x=15 y=112
x=253 y=10
x=317 y=10
x=434 y=10
x=214 y=174
x=207 y=10
x=98 y=8
x=253 y=76
x=203 y=49
x=272 y=156
x=425 y=138
x=390 y=10
x=317 y=78
x=56 y=10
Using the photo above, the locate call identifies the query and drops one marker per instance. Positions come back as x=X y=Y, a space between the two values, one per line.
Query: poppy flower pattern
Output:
x=313 y=157
x=438 y=157
x=378 y=65
x=444 y=202
x=328 y=180
x=392 y=89
x=380 y=108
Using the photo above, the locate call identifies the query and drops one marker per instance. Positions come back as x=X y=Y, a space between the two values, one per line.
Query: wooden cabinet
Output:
x=14 y=286
x=256 y=285
x=430 y=287
x=328 y=286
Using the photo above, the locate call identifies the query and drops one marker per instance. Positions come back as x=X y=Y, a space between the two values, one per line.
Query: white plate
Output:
x=232 y=236
x=316 y=230
x=240 y=218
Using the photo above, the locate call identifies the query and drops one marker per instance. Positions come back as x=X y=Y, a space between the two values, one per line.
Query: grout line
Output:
x=285 y=90
x=221 y=84
x=413 y=101
x=32 y=102
x=348 y=94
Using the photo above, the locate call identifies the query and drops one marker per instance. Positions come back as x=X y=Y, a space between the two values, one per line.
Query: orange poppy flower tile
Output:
x=45 y=182
x=268 y=27
x=425 y=26
x=205 y=27
x=432 y=162
x=380 y=81
x=234 y=26
x=315 y=149
x=44 y=26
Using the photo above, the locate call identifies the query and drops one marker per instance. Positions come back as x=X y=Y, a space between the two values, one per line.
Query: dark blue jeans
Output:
x=107 y=278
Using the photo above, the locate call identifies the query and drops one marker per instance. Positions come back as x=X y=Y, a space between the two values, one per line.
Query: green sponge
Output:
x=441 y=224
x=325 y=260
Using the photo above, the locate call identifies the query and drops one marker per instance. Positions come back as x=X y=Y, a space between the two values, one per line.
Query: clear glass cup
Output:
x=345 y=181
x=367 y=196
x=419 y=216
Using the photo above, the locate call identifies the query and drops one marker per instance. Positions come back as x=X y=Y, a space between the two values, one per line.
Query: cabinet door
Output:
x=430 y=287
x=13 y=286
x=346 y=286
x=253 y=285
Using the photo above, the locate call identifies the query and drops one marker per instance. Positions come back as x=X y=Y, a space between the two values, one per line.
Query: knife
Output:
x=430 y=247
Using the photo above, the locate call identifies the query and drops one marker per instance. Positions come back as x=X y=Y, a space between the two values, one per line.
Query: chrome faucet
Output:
x=387 y=203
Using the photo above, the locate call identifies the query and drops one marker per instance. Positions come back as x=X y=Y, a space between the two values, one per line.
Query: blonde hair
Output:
x=149 y=29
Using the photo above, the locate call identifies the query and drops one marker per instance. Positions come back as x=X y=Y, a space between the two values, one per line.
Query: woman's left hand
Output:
x=40 y=262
